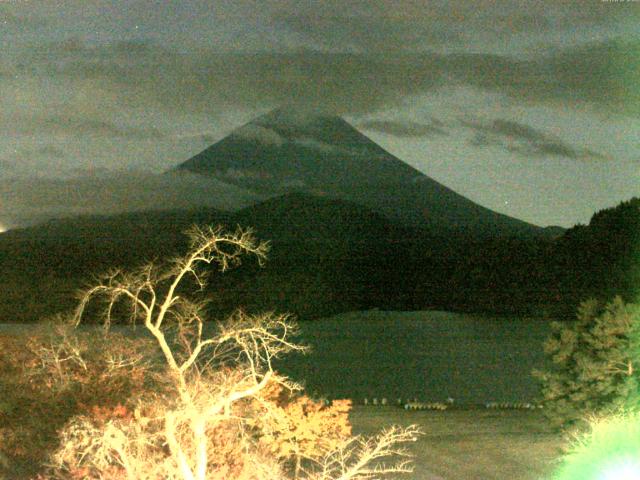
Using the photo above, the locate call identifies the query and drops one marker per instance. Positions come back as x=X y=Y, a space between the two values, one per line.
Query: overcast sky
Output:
x=530 y=108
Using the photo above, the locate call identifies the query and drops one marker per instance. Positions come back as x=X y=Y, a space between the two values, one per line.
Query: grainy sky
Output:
x=531 y=108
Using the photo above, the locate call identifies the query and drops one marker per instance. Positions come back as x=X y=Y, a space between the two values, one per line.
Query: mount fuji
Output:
x=294 y=150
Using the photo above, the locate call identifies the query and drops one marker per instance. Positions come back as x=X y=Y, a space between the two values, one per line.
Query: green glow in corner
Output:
x=628 y=469
x=611 y=450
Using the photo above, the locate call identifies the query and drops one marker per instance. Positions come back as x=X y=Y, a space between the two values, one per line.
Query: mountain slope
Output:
x=331 y=256
x=326 y=256
x=291 y=150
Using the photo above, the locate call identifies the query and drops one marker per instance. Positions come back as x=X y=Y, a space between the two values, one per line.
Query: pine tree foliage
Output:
x=594 y=363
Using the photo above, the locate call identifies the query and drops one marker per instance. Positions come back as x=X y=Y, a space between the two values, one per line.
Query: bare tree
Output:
x=359 y=458
x=213 y=378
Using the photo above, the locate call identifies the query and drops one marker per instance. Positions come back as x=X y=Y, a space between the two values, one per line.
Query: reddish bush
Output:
x=40 y=395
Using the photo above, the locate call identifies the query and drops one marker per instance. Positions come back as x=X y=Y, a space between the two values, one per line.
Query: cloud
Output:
x=106 y=80
x=50 y=151
x=12 y=17
x=81 y=125
x=356 y=26
x=334 y=149
x=404 y=128
x=123 y=103
x=30 y=200
x=258 y=133
x=514 y=129
x=142 y=75
x=6 y=168
x=525 y=140
x=365 y=34
x=129 y=89
x=322 y=147
x=245 y=173
x=269 y=137
x=598 y=73
x=441 y=25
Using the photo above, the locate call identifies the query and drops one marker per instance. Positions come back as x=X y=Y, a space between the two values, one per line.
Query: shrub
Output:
x=298 y=430
x=54 y=374
x=20 y=404
x=594 y=363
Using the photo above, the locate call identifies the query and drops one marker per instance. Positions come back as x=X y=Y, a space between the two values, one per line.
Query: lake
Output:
x=428 y=355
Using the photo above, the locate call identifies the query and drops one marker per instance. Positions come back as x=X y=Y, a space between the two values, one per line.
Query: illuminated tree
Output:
x=610 y=448
x=594 y=365
x=220 y=413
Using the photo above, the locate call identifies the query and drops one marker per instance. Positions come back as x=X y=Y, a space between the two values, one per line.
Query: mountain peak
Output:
x=293 y=148
x=303 y=131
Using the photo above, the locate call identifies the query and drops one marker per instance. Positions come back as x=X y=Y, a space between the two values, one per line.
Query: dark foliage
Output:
x=602 y=259
x=548 y=277
x=330 y=256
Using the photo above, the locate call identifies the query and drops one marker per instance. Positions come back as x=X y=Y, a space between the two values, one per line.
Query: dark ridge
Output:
x=330 y=256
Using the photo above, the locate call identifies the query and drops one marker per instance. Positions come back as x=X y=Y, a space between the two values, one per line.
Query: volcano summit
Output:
x=289 y=150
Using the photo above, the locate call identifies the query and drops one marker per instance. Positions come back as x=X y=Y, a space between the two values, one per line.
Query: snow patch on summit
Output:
x=328 y=148
x=318 y=145
x=261 y=134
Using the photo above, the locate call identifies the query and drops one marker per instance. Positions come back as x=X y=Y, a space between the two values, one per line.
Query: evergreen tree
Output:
x=594 y=363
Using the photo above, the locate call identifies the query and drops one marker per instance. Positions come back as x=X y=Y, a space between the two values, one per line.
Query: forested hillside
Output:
x=330 y=256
